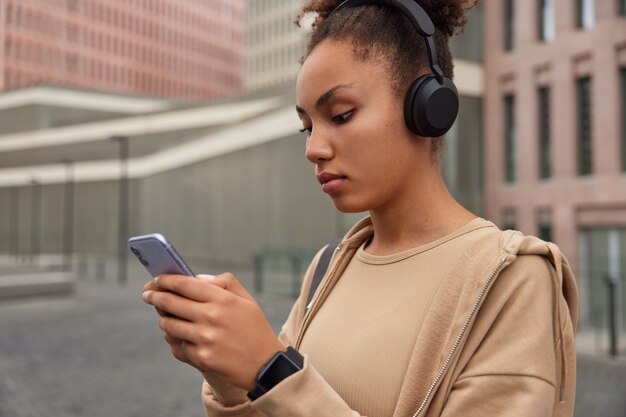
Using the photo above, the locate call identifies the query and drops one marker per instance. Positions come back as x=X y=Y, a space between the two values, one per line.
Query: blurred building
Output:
x=184 y=49
x=225 y=180
x=555 y=138
x=274 y=44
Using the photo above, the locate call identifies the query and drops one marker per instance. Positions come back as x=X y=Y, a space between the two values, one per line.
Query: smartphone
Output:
x=158 y=255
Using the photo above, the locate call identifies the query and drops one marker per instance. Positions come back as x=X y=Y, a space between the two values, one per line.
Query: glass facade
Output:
x=583 y=104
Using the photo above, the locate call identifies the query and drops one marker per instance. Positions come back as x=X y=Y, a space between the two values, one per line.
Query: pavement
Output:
x=99 y=352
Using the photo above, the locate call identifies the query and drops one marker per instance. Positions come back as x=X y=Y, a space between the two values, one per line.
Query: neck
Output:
x=426 y=213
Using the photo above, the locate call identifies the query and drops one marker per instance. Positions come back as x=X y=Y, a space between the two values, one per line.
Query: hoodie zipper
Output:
x=443 y=369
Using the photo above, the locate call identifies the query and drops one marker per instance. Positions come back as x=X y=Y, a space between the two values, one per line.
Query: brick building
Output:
x=185 y=48
x=555 y=136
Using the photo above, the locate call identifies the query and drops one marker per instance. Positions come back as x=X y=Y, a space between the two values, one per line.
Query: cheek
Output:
x=394 y=169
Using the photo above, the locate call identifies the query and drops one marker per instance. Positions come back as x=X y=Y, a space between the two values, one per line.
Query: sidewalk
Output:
x=600 y=386
x=97 y=353
x=100 y=353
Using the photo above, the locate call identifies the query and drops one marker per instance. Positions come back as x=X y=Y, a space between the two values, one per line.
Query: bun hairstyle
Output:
x=385 y=35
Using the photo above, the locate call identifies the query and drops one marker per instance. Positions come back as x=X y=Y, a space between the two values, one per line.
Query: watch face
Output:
x=277 y=370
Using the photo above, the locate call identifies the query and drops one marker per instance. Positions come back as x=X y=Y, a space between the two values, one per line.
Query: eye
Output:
x=343 y=117
x=307 y=130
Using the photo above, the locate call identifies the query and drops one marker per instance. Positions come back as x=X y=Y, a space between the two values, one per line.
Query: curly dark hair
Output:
x=386 y=35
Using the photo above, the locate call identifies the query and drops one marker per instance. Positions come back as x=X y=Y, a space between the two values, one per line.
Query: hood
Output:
x=564 y=281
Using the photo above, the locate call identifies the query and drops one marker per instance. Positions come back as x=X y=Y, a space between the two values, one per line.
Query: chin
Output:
x=344 y=205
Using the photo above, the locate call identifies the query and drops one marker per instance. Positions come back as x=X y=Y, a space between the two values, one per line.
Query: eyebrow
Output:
x=325 y=98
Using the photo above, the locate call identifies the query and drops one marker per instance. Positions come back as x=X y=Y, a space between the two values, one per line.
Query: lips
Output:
x=330 y=182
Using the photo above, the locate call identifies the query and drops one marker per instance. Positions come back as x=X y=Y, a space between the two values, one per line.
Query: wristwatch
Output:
x=282 y=365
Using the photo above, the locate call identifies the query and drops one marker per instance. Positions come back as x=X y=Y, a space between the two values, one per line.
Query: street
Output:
x=100 y=353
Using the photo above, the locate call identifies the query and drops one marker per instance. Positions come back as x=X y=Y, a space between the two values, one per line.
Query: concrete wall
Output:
x=227 y=208
x=222 y=210
x=219 y=211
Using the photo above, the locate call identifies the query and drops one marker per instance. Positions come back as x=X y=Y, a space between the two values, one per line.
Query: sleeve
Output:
x=508 y=365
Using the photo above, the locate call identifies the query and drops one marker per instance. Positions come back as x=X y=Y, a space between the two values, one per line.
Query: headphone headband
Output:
x=419 y=19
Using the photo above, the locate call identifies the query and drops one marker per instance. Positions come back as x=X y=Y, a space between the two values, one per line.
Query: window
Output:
x=545 y=168
x=623 y=116
x=583 y=104
x=509 y=222
x=602 y=253
x=544 y=228
x=509 y=20
x=545 y=12
x=509 y=133
x=585 y=16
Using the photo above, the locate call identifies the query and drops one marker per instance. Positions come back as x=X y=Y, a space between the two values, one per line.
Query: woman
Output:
x=426 y=310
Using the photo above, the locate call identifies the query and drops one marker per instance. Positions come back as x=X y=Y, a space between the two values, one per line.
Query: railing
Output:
x=603 y=309
x=297 y=258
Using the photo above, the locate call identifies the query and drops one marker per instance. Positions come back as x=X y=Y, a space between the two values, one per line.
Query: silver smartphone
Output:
x=158 y=255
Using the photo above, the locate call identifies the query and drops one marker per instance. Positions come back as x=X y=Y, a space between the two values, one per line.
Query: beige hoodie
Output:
x=459 y=367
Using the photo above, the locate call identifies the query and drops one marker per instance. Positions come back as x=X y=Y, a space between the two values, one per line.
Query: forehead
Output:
x=332 y=63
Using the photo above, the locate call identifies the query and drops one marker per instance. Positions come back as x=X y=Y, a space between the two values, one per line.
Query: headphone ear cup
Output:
x=430 y=108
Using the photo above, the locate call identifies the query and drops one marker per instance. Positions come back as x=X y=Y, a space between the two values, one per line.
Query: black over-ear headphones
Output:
x=432 y=102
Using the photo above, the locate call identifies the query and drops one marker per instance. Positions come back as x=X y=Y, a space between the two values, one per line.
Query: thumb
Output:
x=230 y=283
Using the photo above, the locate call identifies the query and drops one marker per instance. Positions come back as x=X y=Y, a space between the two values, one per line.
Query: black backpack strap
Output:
x=320 y=269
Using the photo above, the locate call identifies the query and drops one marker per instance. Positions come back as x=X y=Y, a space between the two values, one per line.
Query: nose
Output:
x=318 y=147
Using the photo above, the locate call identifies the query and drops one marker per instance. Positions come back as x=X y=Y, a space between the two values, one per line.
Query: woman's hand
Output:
x=214 y=325
x=176 y=344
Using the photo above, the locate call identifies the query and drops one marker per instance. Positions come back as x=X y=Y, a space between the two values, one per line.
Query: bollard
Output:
x=258 y=273
x=612 y=310
x=82 y=268
x=68 y=215
x=100 y=266
x=123 y=198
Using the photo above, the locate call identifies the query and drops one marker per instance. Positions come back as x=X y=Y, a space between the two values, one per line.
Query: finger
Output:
x=179 y=329
x=172 y=340
x=151 y=286
x=160 y=312
x=193 y=289
x=230 y=283
x=211 y=279
x=176 y=348
x=168 y=303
